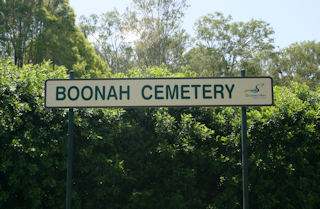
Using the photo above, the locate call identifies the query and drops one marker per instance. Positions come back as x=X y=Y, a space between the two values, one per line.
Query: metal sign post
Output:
x=70 y=155
x=244 y=153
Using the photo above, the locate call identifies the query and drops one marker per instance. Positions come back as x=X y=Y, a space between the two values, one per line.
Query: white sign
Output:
x=158 y=92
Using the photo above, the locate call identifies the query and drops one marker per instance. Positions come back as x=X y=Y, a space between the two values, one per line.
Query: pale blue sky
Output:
x=292 y=20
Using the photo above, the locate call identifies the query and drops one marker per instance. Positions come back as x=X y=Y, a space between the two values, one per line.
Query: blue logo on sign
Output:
x=257 y=89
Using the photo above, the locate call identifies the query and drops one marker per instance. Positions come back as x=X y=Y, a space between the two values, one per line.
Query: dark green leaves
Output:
x=159 y=157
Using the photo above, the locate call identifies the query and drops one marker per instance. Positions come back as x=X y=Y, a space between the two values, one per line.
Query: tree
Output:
x=105 y=34
x=157 y=25
x=18 y=26
x=63 y=43
x=226 y=47
x=299 y=62
x=33 y=31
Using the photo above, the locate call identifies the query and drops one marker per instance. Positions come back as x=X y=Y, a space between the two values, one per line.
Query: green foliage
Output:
x=108 y=40
x=155 y=157
x=225 y=47
x=149 y=34
x=33 y=31
x=31 y=139
x=299 y=62
x=157 y=26
x=89 y=64
x=285 y=148
x=17 y=27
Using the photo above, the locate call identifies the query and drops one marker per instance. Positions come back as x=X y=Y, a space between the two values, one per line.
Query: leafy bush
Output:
x=155 y=157
x=32 y=144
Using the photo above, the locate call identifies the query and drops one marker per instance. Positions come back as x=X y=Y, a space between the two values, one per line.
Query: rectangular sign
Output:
x=159 y=92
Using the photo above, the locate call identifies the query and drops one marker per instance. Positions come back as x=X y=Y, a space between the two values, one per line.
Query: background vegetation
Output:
x=153 y=157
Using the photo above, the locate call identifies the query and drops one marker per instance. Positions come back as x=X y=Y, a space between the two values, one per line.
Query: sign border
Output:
x=168 y=78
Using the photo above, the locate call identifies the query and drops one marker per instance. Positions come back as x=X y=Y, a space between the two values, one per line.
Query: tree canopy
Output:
x=225 y=47
x=299 y=62
x=34 y=31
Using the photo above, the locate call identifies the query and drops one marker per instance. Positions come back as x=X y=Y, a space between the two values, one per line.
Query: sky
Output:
x=292 y=20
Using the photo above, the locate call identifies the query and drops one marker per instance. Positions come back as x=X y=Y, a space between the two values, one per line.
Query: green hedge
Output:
x=155 y=157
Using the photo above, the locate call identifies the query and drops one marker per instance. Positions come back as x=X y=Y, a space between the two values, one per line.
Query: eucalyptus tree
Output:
x=105 y=34
x=157 y=26
x=299 y=62
x=224 y=47
x=18 y=26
